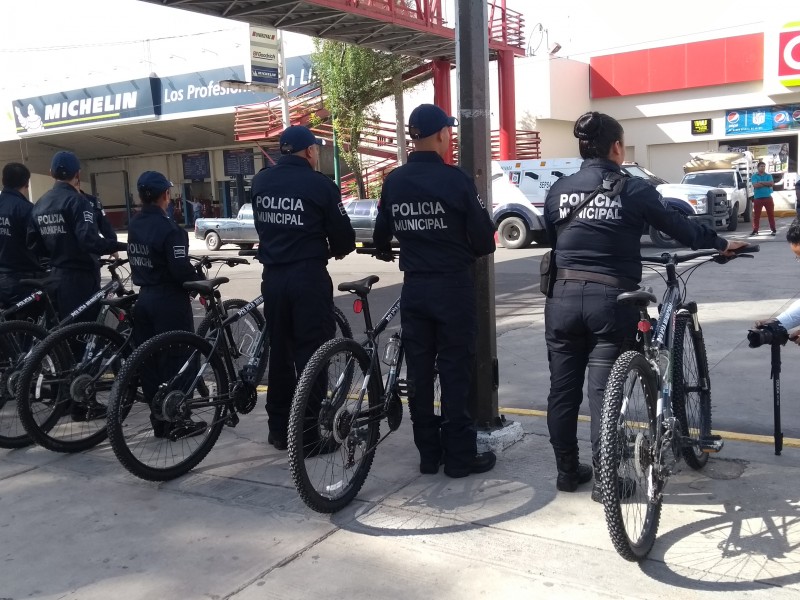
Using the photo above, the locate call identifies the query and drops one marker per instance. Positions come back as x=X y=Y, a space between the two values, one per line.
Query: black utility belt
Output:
x=617 y=282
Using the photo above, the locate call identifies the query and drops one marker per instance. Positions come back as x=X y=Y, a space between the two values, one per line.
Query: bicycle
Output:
x=656 y=408
x=62 y=390
x=339 y=403
x=18 y=338
x=198 y=390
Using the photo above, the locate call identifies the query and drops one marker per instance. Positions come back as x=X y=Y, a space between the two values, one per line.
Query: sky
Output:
x=115 y=40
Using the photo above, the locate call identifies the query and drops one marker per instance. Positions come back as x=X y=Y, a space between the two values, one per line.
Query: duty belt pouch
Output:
x=547 y=274
x=611 y=186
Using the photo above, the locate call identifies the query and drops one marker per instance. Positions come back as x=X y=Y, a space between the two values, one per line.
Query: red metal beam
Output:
x=507 y=101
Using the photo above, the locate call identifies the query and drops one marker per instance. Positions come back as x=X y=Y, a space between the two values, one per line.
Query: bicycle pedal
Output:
x=711 y=444
x=402 y=387
x=232 y=420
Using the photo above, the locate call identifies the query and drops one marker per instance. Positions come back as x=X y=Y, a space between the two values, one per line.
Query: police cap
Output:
x=297 y=138
x=152 y=184
x=428 y=119
x=65 y=165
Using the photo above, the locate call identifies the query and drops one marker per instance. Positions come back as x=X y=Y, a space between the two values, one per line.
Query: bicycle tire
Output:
x=52 y=381
x=328 y=481
x=17 y=338
x=343 y=329
x=691 y=388
x=132 y=434
x=245 y=334
x=626 y=452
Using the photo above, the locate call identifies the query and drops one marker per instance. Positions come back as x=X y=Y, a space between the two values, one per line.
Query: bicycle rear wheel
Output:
x=245 y=334
x=332 y=443
x=691 y=389
x=17 y=339
x=63 y=390
x=631 y=498
x=343 y=329
x=160 y=424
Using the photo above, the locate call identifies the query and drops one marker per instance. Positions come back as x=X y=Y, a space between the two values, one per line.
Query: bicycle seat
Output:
x=360 y=287
x=120 y=302
x=39 y=283
x=640 y=298
x=205 y=287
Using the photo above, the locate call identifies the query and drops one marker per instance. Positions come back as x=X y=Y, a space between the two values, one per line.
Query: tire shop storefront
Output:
x=729 y=94
x=180 y=125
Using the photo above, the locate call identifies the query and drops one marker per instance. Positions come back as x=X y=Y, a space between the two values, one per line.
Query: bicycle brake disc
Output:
x=245 y=397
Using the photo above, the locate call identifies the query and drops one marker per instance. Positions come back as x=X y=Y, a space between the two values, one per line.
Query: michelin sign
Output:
x=121 y=101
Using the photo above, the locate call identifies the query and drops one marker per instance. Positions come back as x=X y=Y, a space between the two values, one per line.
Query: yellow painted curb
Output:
x=785 y=213
x=726 y=435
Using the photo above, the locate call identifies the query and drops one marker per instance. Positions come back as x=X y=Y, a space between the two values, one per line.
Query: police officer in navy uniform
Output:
x=17 y=261
x=301 y=223
x=64 y=227
x=598 y=257
x=434 y=211
x=103 y=225
x=158 y=251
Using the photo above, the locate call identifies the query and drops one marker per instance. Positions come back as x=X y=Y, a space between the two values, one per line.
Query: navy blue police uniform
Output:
x=64 y=227
x=17 y=261
x=103 y=224
x=434 y=211
x=598 y=257
x=301 y=223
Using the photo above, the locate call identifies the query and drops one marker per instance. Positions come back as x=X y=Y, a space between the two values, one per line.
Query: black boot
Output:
x=571 y=473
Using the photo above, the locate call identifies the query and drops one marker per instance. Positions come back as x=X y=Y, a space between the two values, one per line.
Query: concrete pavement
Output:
x=80 y=527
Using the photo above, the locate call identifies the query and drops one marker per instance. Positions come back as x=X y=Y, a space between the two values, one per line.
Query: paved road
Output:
x=730 y=297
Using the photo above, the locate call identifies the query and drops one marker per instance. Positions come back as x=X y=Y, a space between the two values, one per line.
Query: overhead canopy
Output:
x=379 y=24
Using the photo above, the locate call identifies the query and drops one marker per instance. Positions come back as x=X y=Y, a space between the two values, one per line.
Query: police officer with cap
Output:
x=64 y=227
x=103 y=224
x=434 y=211
x=158 y=251
x=301 y=223
x=598 y=257
x=17 y=261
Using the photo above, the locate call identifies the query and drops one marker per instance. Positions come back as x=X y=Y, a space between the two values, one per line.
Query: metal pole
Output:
x=474 y=140
x=284 y=93
x=337 y=169
x=400 y=118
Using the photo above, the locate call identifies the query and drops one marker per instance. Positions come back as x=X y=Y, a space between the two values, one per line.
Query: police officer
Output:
x=301 y=223
x=598 y=257
x=103 y=225
x=64 y=228
x=158 y=251
x=442 y=225
x=17 y=261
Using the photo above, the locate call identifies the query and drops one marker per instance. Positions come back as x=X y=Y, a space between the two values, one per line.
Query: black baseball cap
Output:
x=65 y=165
x=428 y=119
x=153 y=183
x=297 y=138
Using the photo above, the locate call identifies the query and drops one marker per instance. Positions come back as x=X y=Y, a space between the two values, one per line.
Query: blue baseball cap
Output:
x=428 y=119
x=65 y=165
x=297 y=138
x=153 y=183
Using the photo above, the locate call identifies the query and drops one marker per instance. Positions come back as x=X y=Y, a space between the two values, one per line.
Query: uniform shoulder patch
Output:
x=179 y=251
x=88 y=216
x=342 y=209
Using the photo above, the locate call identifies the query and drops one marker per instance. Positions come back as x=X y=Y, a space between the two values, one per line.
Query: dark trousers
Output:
x=439 y=328
x=158 y=310
x=584 y=326
x=298 y=308
x=72 y=288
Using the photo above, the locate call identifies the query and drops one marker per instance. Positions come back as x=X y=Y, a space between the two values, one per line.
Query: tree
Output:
x=352 y=80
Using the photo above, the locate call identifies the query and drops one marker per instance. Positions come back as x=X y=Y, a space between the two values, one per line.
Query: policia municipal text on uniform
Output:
x=598 y=257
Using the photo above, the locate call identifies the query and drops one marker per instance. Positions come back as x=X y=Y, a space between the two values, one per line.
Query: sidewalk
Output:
x=78 y=526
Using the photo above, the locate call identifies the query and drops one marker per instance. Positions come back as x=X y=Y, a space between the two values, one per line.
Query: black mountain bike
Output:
x=656 y=408
x=18 y=338
x=63 y=387
x=176 y=392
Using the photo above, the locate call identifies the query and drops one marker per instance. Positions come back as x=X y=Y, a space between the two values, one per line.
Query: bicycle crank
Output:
x=245 y=397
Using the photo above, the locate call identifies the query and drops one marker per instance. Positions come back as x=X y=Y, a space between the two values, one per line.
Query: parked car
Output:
x=362 y=215
x=240 y=231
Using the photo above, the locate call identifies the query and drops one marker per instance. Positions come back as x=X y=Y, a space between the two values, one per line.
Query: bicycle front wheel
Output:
x=631 y=498
x=332 y=441
x=17 y=339
x=63 y=391
x=691 y=390
x=168 y=406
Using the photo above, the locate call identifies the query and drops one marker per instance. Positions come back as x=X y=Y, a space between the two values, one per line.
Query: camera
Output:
x=772 y=333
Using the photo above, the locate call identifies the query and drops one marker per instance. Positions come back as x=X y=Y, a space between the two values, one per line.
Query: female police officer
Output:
x=598 y=257
x=158 y=250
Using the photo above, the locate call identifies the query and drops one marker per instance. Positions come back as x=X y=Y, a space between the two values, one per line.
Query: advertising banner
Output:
x=775 y=156
x=88 y=106
x=765 y=119
x=789 y=55
x=264 y=55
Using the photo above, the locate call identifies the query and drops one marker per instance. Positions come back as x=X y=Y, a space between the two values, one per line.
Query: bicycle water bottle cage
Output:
x=641 y=298
x=361 y=287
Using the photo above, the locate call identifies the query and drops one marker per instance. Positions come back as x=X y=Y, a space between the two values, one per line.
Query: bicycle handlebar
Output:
x=251 y=252
x=667 y=258
x=388 y=255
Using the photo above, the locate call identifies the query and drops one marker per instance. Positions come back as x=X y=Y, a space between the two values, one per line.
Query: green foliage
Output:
x=353 y=79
